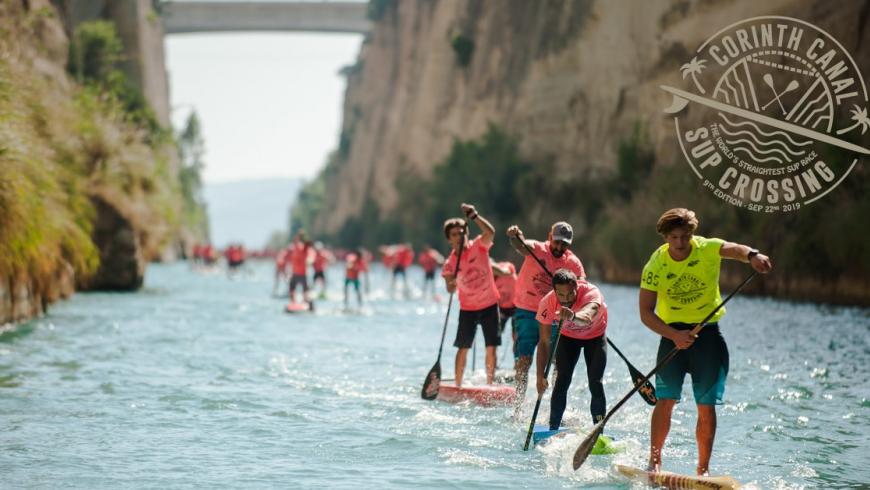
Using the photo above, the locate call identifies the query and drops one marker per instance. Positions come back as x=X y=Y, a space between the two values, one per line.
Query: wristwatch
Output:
x=752 y=253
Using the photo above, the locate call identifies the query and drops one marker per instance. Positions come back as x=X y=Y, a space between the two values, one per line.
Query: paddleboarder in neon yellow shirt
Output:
x=678 y=289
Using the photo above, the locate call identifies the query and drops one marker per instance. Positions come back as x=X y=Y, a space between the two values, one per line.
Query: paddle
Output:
x=541 y=395
x=433 y=380
x=586 y=446
x=648 y=391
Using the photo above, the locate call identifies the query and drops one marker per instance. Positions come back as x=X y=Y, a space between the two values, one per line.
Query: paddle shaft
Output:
x=631 y=368
x=541 y=395
x=450 y=301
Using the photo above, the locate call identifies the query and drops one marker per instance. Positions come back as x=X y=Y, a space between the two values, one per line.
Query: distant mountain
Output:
x=249 y=211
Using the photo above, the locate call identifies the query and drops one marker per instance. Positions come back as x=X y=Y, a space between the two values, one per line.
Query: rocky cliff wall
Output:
x=572 y=79
x=87 y=195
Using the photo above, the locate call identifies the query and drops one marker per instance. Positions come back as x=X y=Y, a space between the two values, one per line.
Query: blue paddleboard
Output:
x=542 y=432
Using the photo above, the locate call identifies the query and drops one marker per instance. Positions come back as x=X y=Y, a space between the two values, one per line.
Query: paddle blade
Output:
x=432 y=383
x=646 y=391
x=586 y=446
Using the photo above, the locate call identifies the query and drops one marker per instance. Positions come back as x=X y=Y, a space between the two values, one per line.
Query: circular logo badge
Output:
x=782 y=112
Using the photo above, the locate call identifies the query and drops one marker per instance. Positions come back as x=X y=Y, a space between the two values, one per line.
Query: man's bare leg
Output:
x=459 y=366
x=705 y=433
x=490 y=364
x=660 y=425
x=521 y=373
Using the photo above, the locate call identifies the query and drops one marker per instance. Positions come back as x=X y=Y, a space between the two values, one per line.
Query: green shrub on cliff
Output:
x=191 y=150
x=95 y=55
x=463 y=47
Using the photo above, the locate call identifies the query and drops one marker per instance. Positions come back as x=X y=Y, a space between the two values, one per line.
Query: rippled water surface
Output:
x=200 y=380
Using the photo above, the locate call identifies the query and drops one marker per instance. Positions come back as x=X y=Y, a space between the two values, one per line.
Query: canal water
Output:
x=201 y=380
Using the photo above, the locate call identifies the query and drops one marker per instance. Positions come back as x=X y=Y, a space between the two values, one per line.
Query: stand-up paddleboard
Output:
x=299 y=307
x=668 y=480
x=486 y=395
x=542 y=433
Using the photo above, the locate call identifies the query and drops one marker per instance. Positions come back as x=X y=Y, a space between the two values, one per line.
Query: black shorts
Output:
x=468 y=320
x=505 y=314
x=299 y=279
x=430 y=275
x=398 y=270
x=319 y=275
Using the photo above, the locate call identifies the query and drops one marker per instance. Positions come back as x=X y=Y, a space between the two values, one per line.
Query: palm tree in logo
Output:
x=860 y=117
x=694 y=68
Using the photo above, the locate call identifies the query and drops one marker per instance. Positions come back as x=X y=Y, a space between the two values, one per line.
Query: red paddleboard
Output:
x=298 y=307
x=486 y=395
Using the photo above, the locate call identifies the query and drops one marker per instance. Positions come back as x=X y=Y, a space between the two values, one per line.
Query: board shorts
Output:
x=468 y=320
x=355 y=282
x=706 y=361
x=299 y=279
x=398 y=270
x=527 y=329
x=430 y=275
x=319 y=275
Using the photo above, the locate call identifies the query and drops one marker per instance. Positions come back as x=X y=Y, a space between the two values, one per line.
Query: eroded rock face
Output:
x=571 y=78
x=122 y=265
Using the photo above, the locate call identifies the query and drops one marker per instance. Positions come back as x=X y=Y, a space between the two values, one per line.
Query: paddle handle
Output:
x=539 y=261
x=541 y=395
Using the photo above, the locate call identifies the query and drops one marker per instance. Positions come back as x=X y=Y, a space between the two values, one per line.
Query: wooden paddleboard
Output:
x=675 y=481
x=298 y=307
x=486 y=395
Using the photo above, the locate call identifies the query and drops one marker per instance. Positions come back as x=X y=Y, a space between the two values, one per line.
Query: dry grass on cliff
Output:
x=45 y=218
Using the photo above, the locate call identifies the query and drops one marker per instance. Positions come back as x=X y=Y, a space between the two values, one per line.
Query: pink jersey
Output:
x=548 y=311
x=475 y=282
x=281 y=259
x=352 y=266
x=533 y=282
x=506 y=285
x=299 y=258
x=404 y=256
x=321 y=258
x=427 y=260
x=388 y=257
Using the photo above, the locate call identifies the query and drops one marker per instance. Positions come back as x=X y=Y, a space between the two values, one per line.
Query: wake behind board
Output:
x=668 y=480
x=298 y=307
x=486 y=395
x=603 y=445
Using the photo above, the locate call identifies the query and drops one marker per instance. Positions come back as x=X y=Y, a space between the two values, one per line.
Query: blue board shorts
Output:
x=528 y=333
x=351 y=282
x=706 y=361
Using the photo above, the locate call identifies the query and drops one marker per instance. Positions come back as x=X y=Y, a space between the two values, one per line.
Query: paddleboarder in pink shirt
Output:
x=478 y=297
x=533 y=282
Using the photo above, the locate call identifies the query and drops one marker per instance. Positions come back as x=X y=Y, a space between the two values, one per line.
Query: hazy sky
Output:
x=269 y=103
